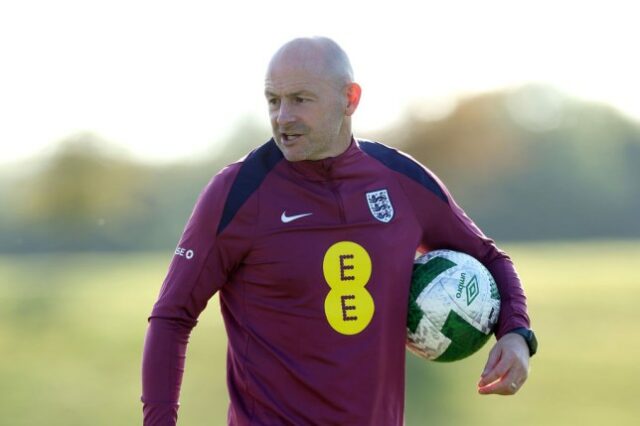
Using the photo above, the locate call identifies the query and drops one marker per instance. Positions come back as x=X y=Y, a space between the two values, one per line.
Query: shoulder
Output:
x=247 y=172
x=404 y=165
x=235 y=184
x=255 y=166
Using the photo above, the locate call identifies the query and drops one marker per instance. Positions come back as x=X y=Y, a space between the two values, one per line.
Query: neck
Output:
x=344 y=138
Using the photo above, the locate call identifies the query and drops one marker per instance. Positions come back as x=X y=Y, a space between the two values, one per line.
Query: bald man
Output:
x=311 y=95
x=309 y=242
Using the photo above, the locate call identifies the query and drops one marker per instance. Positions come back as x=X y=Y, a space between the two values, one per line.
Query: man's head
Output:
x=311 y=96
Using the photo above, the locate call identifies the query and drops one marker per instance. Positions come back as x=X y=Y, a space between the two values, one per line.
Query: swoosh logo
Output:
x=286 y=219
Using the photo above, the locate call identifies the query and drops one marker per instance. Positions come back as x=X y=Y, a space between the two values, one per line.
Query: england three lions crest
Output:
x=380 y=205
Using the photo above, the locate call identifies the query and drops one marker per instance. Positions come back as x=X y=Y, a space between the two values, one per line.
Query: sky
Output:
x=167 y=80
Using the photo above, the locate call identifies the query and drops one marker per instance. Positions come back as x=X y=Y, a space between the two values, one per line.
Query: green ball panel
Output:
x=465 y=339
x=423 y=275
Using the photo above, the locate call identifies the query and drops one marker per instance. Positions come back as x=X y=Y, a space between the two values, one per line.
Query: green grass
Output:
x=72 y=330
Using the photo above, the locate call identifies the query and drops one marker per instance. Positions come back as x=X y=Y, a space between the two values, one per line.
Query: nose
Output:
x=285 y=114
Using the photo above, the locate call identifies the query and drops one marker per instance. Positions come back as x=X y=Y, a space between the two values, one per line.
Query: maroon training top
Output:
x=312 y=261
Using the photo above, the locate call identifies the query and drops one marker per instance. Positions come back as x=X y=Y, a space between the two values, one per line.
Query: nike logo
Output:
x=286 y=219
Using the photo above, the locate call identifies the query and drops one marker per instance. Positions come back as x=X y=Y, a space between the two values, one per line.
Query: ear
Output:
x=353 y=98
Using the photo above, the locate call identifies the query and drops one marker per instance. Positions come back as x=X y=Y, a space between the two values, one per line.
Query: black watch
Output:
x=529 y=337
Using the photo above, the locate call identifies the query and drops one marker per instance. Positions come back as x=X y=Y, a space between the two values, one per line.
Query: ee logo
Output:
x=349 y=306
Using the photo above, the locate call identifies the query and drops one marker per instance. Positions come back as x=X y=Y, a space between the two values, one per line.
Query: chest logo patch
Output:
x=347 y=269
x=380 y=205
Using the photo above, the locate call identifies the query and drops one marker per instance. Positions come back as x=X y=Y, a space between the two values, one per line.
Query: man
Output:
x=310 y=242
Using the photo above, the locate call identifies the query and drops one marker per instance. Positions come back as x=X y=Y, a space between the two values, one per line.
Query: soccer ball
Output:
x=453 y=306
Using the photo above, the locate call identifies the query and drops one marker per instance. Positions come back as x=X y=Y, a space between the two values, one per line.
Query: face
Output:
x=308 y=112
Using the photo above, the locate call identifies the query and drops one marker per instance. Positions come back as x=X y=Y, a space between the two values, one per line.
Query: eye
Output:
x=300 y=99
x=273 y=101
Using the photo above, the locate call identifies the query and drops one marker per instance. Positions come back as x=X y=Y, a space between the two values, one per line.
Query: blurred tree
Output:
x=86 y=194
x=532 y=163
x=90 y=195
x=83 y=183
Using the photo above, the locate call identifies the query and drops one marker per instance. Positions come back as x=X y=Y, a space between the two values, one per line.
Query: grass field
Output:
x=72 y=329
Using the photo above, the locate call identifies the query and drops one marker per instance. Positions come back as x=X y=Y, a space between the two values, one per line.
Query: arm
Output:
x=162 y=368
x=201 y=265
x=446 y=226
x=507 y=367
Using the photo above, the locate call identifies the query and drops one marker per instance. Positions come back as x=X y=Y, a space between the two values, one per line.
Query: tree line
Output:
x=526 y=164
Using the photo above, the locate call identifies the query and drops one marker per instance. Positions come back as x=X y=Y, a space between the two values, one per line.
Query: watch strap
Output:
x=529 y=337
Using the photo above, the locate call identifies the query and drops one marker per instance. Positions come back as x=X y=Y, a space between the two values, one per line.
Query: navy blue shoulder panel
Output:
x=255 y=167
x=403 y=164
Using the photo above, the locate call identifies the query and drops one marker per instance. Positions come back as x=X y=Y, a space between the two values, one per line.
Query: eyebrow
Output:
x=268 y=93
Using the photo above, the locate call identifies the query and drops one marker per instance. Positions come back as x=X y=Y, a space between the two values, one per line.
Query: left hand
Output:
x=507 y=367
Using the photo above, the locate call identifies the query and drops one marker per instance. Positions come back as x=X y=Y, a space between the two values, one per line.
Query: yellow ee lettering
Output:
x=347 y=269
x=344 y=267
x=346 y=308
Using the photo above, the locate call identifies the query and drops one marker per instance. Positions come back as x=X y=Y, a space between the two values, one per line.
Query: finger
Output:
x=498 y=388
x=509 y=384
x=499 y=370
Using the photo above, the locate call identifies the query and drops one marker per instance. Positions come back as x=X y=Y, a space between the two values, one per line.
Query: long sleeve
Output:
x=462 y=234
x=162 y=368
x=446 y=226
x=203 y=261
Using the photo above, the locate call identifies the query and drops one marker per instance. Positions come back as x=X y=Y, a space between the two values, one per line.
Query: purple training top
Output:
x=313 y=262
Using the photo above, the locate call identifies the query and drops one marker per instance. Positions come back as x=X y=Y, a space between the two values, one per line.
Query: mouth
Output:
x=289 y=138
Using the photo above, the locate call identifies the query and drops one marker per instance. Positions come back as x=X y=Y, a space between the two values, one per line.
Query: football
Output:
x=453 y=306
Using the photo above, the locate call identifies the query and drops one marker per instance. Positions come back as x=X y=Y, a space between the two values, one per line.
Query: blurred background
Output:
x=114 y=115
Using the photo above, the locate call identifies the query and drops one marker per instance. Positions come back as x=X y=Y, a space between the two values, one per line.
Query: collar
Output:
x=328 y=168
